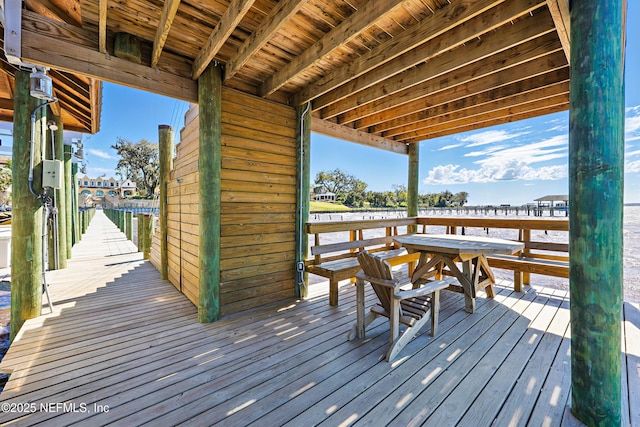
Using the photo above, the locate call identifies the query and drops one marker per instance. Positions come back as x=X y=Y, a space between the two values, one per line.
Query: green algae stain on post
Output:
x=596 y=168
x=209 y=174
x=26 y=222
x=414 y=181
x=165 y=136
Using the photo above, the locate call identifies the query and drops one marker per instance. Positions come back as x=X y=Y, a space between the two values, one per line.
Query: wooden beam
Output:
x=102 y=27
x=341 y=34
x=536 y=88
x=279 y=15
x=168 y=13
x=443 y=20
x=50 y=9
x=527 y=110
x=559 y=10
x=60 y=46
x=96 y=104
x=382 y=82
x=510 y=118
x=500 y=70
x=335 y=130
x=228 y=22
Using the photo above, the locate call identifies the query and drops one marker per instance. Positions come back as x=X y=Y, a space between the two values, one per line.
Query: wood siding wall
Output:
x=258 y=204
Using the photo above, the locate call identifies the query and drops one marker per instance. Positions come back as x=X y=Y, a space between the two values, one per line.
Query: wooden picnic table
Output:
x=440 y=252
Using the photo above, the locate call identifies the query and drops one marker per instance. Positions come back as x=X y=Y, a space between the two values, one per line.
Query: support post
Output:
x=26 y=221
x=68 y=191
x=596 y=171
x=52 y=235
x=165 y=136
x=209 y=171
x=413 y=181
x=303 y=141
x=61 y=201
x=75 y=210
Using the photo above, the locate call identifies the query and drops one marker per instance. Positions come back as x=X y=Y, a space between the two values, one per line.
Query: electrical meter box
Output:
x=52 y=174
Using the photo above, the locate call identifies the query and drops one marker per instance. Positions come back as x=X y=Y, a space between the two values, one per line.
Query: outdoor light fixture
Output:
x=41 y=85
x=51 y=125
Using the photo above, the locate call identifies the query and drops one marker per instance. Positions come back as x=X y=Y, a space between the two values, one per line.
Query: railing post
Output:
x=140 y=232
x=148 y=234
x=129 y=224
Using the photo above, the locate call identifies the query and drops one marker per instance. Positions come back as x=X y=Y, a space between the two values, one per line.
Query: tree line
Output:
x=353 y=192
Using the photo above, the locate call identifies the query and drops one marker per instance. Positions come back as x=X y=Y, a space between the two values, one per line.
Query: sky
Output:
x=507 y=164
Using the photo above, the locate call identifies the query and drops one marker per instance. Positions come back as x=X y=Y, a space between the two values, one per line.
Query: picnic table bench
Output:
x=337 y=259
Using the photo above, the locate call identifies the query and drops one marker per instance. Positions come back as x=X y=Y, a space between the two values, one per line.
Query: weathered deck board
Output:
x=121 y=337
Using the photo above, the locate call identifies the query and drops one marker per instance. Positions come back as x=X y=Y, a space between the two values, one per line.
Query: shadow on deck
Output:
x=120 y=339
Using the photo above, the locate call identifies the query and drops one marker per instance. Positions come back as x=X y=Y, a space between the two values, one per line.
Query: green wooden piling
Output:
x=413 y=181
x=129 y=224
x=51 y=235
x=75 y=211
x=68 y=189
x=209 y=171
x=303 y=141
x=165 y=136
x=596 y=171
x=26 y=221
x=147 y=231
x=61 y=196
x=140 y=232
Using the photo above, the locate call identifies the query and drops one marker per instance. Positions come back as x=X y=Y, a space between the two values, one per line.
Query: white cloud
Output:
x=509 y=171
x=632 y=167
x=489 y=137
x=99 y=153
x=449 y=147
x=631 y=153
x=548 y=149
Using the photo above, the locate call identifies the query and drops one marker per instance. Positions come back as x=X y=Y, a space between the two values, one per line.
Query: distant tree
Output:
x=460 y=199
x=5 y=176
x=347 y=188
x=138 y=162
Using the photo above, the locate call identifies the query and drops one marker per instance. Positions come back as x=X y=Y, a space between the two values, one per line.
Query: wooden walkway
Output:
x=123 y=347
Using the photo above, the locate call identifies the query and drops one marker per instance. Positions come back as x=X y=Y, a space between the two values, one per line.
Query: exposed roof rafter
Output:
x=229 y=21
x=560 y=13
x=168 y=13
x=280 y=15
x=343 y=33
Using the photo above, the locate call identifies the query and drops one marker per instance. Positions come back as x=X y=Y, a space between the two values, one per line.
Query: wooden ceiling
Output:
x=380 y=72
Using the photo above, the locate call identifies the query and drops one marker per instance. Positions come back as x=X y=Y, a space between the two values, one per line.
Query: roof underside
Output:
x=381 y=72
x=78 y=96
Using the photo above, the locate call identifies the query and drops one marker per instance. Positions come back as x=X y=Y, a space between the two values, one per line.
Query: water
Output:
x=631 y=233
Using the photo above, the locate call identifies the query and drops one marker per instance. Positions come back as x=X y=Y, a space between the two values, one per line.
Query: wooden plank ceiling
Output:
x=385 y=73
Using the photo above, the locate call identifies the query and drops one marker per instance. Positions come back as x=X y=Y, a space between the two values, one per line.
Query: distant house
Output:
x=98 y=188
x=325 y=197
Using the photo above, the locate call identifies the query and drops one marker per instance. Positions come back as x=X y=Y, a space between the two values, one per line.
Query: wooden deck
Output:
x=122 y=339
